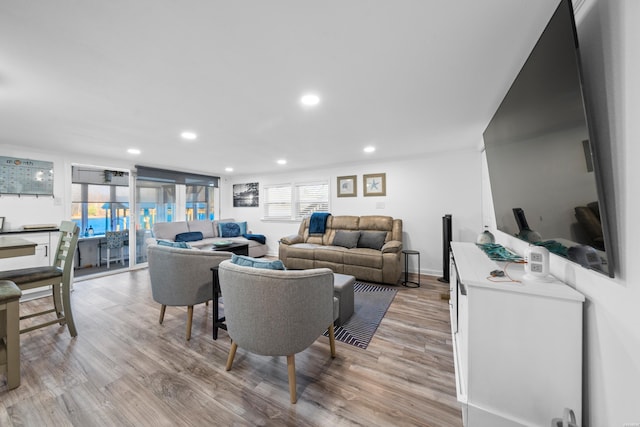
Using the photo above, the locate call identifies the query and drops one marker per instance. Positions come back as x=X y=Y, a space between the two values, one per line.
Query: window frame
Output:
x=294 y=201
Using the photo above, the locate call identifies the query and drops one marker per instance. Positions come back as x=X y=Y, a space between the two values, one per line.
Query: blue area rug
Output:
x=370 y=305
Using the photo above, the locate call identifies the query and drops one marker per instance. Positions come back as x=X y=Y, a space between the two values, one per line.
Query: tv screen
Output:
x=543 y=177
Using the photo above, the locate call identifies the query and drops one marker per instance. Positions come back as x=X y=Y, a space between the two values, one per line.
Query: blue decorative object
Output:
x=498 y=252
x=190 y=236
x=318 y=222
x=248 y=261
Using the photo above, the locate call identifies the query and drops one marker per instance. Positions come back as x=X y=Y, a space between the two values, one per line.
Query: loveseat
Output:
x=211 y=233
x=367 y=247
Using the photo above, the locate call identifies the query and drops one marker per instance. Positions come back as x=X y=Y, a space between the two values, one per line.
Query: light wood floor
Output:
x=124 y=369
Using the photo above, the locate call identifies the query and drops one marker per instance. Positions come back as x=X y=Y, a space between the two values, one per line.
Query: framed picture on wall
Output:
x=375 y=184
x=246 y=195
x=347 y=186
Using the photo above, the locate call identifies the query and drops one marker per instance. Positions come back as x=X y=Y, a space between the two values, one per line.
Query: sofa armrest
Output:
x=392 y=246
x=292 y=239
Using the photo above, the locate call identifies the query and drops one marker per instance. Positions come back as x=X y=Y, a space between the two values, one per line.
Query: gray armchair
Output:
x=276 y=312
x=182 y=277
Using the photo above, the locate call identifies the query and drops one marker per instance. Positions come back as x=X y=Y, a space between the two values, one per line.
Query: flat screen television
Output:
x=544 y=176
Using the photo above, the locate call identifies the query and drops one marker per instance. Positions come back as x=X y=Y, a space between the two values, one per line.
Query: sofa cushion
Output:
x=376 y=222
x=203 y=226
x=364 y=257
x=256 y=263
x=183 y=245
x=334 y=254
x=346 y=239
x=168 y=230
x=372 y=239
x=229 y=229
x=189 y=236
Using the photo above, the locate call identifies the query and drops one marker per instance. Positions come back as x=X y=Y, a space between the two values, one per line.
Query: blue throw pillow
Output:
x=229 y=229
x=248 y=261
x=190 y=236
x=182 y=245
x=224 y=225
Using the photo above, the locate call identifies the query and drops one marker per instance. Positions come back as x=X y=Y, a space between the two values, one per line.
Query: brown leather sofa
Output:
x=364 y=261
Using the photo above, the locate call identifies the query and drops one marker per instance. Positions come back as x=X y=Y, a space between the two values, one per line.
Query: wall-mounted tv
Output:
x=544 y=177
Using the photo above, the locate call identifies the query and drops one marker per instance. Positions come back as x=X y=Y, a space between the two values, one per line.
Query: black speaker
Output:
x=446 y=240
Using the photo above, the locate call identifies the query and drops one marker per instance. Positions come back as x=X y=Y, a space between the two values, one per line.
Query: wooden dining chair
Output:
x=58 y=276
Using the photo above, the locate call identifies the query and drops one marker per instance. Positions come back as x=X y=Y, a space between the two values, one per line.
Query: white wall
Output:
x=610 y=48
x=610 y=45
x=419 y=191
x=19 y=211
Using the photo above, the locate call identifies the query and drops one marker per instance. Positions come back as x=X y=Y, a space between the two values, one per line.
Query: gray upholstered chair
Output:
x=276 y=312
x=182 y=277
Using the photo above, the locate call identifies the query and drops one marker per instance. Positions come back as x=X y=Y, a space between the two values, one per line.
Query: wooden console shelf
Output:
x=517 y=346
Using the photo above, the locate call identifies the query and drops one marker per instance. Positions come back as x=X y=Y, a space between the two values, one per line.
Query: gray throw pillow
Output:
x=372 y=239
x=346 y=239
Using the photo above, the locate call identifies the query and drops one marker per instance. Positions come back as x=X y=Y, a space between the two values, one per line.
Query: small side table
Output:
x=406 y=282
x=218 y=322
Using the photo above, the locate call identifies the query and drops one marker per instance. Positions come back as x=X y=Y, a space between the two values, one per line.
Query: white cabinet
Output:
x=47 y=242
x=517 y=346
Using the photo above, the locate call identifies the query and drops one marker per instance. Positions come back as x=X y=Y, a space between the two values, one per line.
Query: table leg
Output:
x=218 y=322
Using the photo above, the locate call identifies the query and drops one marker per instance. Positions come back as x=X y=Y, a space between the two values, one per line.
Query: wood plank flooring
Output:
x=125 y=369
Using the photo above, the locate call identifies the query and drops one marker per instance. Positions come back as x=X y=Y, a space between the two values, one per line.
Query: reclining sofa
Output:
x=367 y=247
x=210 y=233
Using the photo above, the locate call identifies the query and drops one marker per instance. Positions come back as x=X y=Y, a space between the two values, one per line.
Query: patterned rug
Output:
x=370 y=305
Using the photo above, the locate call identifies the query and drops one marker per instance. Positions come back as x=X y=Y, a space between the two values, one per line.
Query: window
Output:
x=296 y=201
x=200 y=202
x=167 y=196
x=100 y=200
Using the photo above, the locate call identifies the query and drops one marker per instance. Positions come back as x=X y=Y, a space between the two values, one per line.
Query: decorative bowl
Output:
x=222 y=243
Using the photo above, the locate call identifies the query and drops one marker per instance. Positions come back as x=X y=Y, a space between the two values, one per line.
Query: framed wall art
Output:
x=246 y=195
x=375 y=184
x=347 y=186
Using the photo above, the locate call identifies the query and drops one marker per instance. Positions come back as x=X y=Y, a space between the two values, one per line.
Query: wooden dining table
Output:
x=11 y=246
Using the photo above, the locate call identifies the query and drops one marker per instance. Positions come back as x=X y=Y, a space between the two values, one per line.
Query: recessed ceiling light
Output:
x=133 y=151
x=369 y=149
x=228 y=169
x=282 y=162
x=310 y=100
x=189 y=135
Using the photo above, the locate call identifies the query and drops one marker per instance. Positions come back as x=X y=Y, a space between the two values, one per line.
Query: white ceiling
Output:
x=409 y=77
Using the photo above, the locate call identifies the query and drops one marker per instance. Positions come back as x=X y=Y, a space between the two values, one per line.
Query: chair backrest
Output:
x=66 y=250
x=182 y=276
x=115 y=239
x=276 y=312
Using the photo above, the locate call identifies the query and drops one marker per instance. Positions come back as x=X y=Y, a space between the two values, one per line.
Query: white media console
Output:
x=517 y=346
